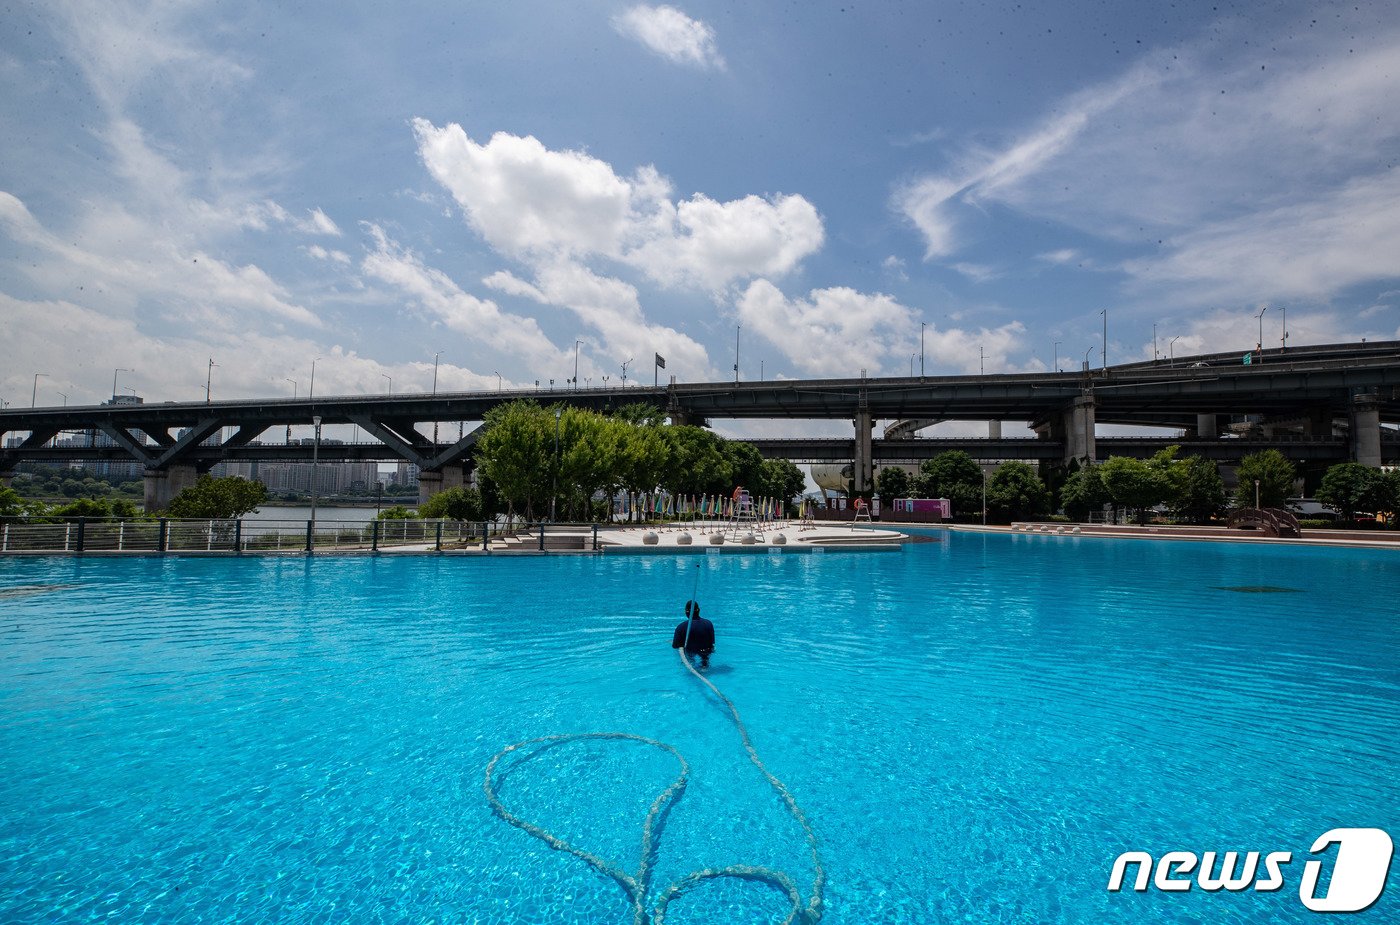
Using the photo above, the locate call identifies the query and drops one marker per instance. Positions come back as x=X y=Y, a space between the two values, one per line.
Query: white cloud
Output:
x=610 y=307
x=835 y=332
x=1062 y=256
x=320 y=253
x=319 y=223
x=542 y=206
x=1271 y=181
x=481 y=319
x=976 y=272
x=671 y=34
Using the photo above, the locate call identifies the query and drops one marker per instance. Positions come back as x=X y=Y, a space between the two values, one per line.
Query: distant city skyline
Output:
x=411 y=197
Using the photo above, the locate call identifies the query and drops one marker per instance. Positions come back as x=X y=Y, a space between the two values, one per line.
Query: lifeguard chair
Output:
x=862 y=509
x=743 y=514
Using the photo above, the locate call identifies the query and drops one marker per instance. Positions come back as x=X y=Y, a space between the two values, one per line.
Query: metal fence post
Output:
x=485 y=538
x=310 y=538
x=438 y=541
x=374 y=536
x=82 y=532
x=541 y=525
x=238 y=536
x=163 y=536
x=595 y=537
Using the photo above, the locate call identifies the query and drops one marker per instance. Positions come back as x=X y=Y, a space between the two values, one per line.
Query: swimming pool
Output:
x=976 y=727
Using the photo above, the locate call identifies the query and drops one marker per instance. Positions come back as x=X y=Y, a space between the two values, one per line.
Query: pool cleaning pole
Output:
x=690 y=611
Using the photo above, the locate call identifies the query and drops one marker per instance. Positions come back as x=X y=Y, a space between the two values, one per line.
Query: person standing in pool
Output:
x=695 y=634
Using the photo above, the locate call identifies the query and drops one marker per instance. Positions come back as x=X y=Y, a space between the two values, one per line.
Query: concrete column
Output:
x=430 y=483
x=162 y=485
x=994 y=430
x=1366 y=430
x=1079 y=429
x=1206 y=427
x=6 y=477
x=863 y=473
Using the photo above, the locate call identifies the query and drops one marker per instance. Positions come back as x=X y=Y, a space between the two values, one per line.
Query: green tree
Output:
x=745 y=465
x=91 y=508
x=1274 y=473
x=893 y=482
x=1200 y=492
x=1384 y=496
x=952 y=475
x=11 y=503
x=781 y=480
x=457 y=503
x=1083 y=492
x=697 y=463
x=516 y=452
x=232 y=496
x=397 y=512
x=1015 y=492
x=1132 y=483
x=1347 y=487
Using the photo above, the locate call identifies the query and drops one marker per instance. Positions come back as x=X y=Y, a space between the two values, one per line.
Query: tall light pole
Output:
x=498 y=381
x=315 y=485
x=981 y=361
x=435 y=369
x=1105 y=339
x=1086 y=358
x=911 y=366
x=577 y=343
x=984 y=496
x=311 y=393
x=1259 y=347
x=1256 y=493
x=1171 y=351
x=294 y=398
x=1284 y=340
x=1154 y=342
x=119 y=369
x=1057 y=356
x=391 y=383
x=34 y=396
x=65 y=398
x=922 y=325
x=624 y=371
x=209 y=380
x=737 y=329
x=554 y=482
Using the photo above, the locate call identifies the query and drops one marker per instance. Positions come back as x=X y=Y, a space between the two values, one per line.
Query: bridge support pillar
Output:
x=683 y=418
x=993 y=430
x=1079 y=429
x=162 y=485
x=430 y=483
x=1207 y=427
x=863 y=473
x=1366 y=429
x=6 y=477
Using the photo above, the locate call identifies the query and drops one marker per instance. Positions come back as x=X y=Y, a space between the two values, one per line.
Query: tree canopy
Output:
x=1015 y=492
x=1275 y=475
x=232 y=496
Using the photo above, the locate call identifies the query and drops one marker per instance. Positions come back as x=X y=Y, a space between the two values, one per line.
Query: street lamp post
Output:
x=315 y=486
x=311 y=392
x=1086 y=358
x=922 y=325
x=737 y=329
x=981 y=361
x=1057 y=356
x=554 y=482
x=391 y=383
x=1256 y=493
x=498 y=382
x=577 y=344
x=209 y=380
x=1171 y=351
x=65 y=398
x=294 y=398
x=1284 y=340
x=119 y=369
x=1105 y=339
x=435 y=369
x=984 y=496
x=34 y=397
x=1259 y=347
x=1154 y=342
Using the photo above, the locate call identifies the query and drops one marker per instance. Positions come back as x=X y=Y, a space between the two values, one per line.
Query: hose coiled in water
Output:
x=637 y=885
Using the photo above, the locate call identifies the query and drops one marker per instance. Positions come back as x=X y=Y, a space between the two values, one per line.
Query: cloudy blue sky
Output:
x=514 y=184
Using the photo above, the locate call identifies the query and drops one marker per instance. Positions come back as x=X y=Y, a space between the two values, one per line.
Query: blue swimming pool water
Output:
x=976 y=728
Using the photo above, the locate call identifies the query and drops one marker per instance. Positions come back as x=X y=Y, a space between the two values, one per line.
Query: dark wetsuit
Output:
x=702 y=638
